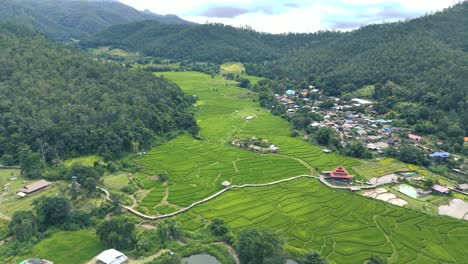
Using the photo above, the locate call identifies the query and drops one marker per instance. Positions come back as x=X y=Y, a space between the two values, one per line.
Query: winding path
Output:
x=157 y=217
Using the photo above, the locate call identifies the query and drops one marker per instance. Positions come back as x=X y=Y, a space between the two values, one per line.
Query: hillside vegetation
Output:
x=60 y=103
x=417 y=67
x=68 y=19
x=344 y=227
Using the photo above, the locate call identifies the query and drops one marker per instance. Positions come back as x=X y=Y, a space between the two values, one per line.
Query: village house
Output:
x=225 y=184
x=462 y=187
x=440 y=189
x=112 y=256
x=442 y=155
x=33 y=188
x=421 y=193
x=36 y=261
x=414 y=137
x=274 y=149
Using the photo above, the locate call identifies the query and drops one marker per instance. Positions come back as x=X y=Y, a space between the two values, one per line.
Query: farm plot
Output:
x=222 y=117
x=343 y=226
x=69 y=247
x=197 y=168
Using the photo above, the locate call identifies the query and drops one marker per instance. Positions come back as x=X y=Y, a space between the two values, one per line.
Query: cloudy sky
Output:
x=280 y=16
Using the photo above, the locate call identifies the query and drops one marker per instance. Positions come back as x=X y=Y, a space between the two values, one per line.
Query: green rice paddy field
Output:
x=344 y=227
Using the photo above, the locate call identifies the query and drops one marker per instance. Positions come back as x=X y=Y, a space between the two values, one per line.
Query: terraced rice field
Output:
x=344 y=227
x=196 y=169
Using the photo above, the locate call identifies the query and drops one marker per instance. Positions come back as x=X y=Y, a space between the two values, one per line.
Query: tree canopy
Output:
x=65 y=19
x=58 y=103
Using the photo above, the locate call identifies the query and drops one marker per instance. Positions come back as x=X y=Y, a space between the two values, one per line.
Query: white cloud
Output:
x=291 y=21
x=312 y=15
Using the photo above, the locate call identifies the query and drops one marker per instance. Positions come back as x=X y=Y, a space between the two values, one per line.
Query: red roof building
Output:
x=340 y=173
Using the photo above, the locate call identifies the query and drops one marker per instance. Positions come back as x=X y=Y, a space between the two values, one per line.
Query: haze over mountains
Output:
x=74 y=19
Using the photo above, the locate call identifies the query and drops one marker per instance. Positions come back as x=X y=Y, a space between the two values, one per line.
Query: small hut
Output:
x=225 y=184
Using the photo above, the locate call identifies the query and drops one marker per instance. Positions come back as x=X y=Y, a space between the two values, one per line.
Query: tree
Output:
x=162 y=176
x=256 y=247
x=312 y=258
x=31 y=163
x=52 y=211
x=244 y=83
x=118 y=233
x=23 y=225
x=357 y=149
x=324 y=135
x=168 y=230
x=217 y=227
x=413 y=155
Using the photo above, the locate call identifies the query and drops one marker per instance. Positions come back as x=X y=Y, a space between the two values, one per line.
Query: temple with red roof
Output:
x=340 y=173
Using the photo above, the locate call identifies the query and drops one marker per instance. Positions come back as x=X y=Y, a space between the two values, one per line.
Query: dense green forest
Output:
x=208 y=43
x=68 y=19
x=417 y=68
x=60 y=103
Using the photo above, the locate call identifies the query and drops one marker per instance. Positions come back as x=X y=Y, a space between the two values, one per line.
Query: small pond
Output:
x=200 y=259
x=407 y=190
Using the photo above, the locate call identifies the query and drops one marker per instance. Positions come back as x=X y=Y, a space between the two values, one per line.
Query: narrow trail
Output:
x=134 y=200
x=157 y=217
x=231 y=250
x=354 y=187
x=303 y=162
x=387 y=237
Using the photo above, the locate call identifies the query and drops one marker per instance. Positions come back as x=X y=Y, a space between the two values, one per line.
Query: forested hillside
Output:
x=59 y=103
x=418 y=68
x=208 y=43
x=68 y=19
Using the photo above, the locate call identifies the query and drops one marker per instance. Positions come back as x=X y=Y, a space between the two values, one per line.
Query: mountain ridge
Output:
x=65 y=20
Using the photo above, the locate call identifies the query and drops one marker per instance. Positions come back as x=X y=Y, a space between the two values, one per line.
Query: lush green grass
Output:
x=84 y=160
x=13 y=185
x=232 y=67
x=116 y=181
x=345 y=227
x=69 y=247
x=12 y=203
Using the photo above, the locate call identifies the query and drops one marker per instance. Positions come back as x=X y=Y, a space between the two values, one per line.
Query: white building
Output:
x=112 y=256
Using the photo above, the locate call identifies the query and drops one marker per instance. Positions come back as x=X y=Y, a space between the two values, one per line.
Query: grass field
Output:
x=116 y=181
x=69 y=247
x=11 y=203
x=238 y=69
x=85 y=160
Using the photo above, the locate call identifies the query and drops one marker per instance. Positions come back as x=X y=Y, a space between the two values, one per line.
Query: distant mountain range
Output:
x=74 y=19
x=426 y=57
